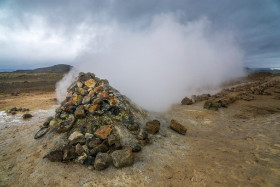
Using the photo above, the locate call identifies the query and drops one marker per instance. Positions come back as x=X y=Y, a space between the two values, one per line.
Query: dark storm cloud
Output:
x=255 y=23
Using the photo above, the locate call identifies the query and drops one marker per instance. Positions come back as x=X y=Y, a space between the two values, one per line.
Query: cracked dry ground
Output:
x=234 y=146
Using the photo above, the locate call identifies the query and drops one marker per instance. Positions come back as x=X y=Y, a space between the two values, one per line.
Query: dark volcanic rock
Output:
x=26 y=116
x=55 y=156
x=176 y=126
x=101 y=161
x=122 y=158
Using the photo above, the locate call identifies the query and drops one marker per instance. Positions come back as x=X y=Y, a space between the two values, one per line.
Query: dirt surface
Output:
x=234 y=146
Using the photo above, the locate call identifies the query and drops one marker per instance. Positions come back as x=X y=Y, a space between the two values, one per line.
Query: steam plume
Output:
x=159 y=65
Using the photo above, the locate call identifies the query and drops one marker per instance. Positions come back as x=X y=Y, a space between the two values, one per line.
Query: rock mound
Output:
x=94 y=123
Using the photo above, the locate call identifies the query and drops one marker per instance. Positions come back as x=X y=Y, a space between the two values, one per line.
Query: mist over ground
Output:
x=158 y=66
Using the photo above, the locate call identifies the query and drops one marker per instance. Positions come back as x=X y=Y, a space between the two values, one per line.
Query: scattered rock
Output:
x=153 y=126
x=186 y=101
x=176 y=126
x=101 y=161
x=26 y=116
x=41 y=132
x=122 y=158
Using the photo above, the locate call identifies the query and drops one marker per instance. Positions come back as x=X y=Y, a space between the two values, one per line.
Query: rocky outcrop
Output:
x=186 y=101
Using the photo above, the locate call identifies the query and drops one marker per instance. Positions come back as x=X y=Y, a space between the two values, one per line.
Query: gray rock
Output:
x=86 y=100
x=26 y=116
x=76 y=137
x=126 y=138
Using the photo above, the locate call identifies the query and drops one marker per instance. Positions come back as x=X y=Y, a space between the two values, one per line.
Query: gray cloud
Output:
x=254 y=23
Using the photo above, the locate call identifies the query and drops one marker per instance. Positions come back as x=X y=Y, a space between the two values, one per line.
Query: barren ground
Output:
x=234 y=146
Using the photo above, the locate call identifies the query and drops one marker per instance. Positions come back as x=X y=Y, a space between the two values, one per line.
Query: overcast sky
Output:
x=36 y=33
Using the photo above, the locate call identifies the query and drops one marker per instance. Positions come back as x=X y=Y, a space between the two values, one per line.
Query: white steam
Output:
x=158 y=66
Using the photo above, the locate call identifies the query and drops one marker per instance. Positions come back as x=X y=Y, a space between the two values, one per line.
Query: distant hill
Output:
x=60 y=68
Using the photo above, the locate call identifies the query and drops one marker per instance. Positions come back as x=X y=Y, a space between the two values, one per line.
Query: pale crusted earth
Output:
x=234 y=146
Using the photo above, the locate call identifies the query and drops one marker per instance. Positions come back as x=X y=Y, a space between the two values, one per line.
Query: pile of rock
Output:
x=14 y=110
x=96 y=125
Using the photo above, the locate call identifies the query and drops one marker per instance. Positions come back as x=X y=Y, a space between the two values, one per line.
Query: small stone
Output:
x=26 y=116
x=94 y=143
x=66 y=125
x=88 y=136
x=122 y=158
x=79 y=84
x=79 y=112
x=86 y=100
x=93 y=108
x=69 y=152
x=77 y=99
x=178 y=127
x=85 y=147
x=142 y=135
x=186 y=101
x=103 y=132
x=81 y=159
x=41 y=132
x=76 y=137
x=133 y=127
x=81 y=91
x=13 y=112
x=153 y=126
x=112 y=139
x=143 y=142
x=98 y=89
x=79 y=149
x=103 y=95
x=100 y=148
x=101 y=161
x=90 y=83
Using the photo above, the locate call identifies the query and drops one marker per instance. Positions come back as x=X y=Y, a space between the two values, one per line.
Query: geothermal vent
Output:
x=95 y=126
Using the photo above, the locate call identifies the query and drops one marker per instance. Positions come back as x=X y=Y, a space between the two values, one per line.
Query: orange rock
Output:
x=96 y=101
x=103 y=95
x=93 y=108
x=90 y=83
x=91 y=93
x=103 y=132
x=98 y=89
x=112 y=101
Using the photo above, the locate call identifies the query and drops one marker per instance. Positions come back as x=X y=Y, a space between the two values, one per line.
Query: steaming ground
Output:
x=158 y=66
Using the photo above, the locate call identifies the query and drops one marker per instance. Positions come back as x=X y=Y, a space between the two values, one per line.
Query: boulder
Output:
x=176 y=126
x=122 y=158
x=101 y=161
x=153 y=126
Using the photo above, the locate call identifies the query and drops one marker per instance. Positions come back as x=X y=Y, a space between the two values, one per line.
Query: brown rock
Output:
x=153 y=126
x=101 y=161
x=90 y=83
x=79 y=149
x=98 y=89
x=93 y=108
x=55 y=156
x=26 y=116
x=79 y=112
x=122 y=158
x=186 y=101
x=86 y=100
x=178 y=127
x=103 y=132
